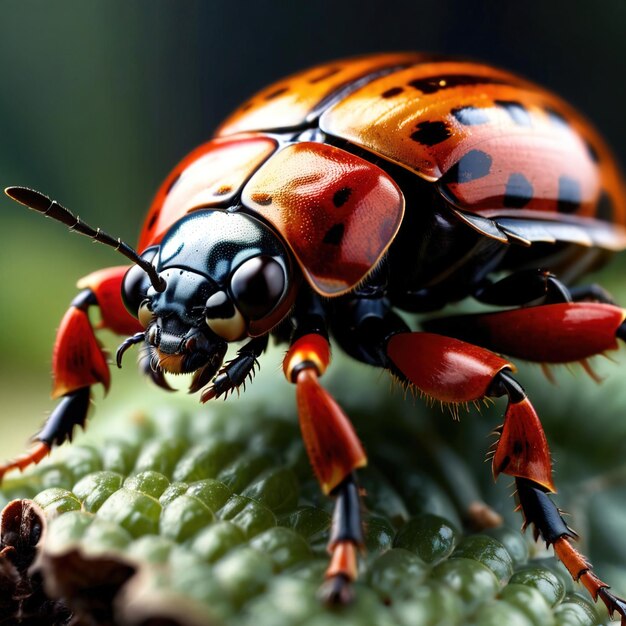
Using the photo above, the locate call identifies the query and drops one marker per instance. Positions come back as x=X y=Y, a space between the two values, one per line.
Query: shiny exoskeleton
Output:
x=329 y=201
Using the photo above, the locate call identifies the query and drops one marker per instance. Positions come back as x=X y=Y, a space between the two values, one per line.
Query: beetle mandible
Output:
x=327 y=202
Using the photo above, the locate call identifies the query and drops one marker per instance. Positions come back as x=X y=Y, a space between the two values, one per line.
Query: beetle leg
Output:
x=524 y=287
x=551 y=333
x=346 y=537
x=522 y=452
x=78 y=362
x=592 y=292
x=537 y=287
x=362 y=325
x=234 y=373
x=334 y=451
x=450 y=370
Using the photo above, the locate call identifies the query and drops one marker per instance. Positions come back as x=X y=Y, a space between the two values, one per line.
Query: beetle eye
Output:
x=136 y=284
x=257 y=286
x=223 y=318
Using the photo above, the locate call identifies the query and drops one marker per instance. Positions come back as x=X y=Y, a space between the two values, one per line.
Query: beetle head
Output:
x=228 y=277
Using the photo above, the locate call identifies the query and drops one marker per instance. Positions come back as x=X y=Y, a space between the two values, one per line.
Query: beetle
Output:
x=326 y=203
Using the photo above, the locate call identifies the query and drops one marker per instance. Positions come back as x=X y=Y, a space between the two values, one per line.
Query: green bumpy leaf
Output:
x=215 y=518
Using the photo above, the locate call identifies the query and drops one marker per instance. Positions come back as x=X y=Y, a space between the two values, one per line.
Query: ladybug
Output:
x=331 y=200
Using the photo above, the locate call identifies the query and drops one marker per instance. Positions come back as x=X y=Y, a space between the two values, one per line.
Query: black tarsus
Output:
x=347 y=524
x=70 y=412
x=539 y=510
x=236 y=371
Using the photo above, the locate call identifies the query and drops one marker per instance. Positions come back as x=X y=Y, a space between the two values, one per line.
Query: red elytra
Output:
x=337 y=212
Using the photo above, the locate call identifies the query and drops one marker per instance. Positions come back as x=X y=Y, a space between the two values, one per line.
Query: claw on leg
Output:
x=341 y=573
x=38 y=452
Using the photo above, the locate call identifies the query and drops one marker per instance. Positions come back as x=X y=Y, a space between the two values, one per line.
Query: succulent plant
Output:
x=211 y=517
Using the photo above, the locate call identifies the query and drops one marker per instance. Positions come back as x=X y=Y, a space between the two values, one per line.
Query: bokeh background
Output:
x=99 y=99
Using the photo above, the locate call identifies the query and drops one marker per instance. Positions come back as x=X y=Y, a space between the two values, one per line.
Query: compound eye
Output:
x=257 y=286
x=223 y=318
x=136 y=284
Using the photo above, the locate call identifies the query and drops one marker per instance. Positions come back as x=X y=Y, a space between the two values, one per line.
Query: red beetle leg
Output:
x=444 y=368
x=552 y=333
x=522 y=449
x=106 y=285
x=331 y=443
x=335 y=452
x=451 y=370
x=78 y=360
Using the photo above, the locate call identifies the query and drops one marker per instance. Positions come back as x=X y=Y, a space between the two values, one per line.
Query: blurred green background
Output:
x=100 y=98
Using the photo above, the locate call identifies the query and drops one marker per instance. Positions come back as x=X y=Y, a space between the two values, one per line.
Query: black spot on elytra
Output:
x=517 y=111
x=341 y=196
x=471 y=166
x=518 y=193
x=390 y=93
x=569 y=195
x=153 y=219
x=518 y=447
x=434 y=84
x=593 y=153
x=223 y=190
x=431 y=133
x=334 y=235
x=556 y=118
x=331 y=71
x=277 y=92
x=470 y=116
x=605 y=209
x=172 y=183
x=264 y=199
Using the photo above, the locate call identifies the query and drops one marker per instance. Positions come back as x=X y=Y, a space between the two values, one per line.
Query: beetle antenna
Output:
x=51 y=208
